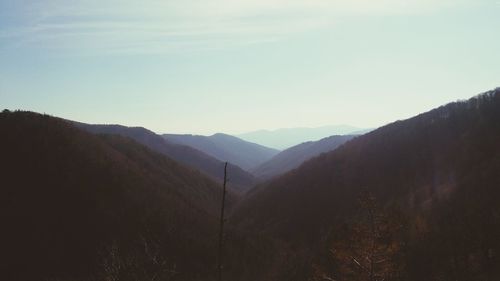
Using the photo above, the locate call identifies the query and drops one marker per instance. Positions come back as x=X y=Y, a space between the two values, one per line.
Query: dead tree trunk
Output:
x=221 y=230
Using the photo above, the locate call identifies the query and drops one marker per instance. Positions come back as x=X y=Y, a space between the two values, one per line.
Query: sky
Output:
x=206 y=66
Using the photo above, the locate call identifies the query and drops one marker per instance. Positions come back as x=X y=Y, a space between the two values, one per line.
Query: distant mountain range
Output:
x=224 y=147
x=288 y=137
x=293 y=157
x=239 y=178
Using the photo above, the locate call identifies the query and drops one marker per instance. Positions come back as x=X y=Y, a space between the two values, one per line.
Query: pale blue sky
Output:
x=199 y=66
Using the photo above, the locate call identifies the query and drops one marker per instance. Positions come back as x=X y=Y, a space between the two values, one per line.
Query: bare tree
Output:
x=371 y=247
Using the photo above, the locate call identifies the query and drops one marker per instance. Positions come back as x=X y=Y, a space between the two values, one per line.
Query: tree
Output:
x=369 y=248
x=145 y=262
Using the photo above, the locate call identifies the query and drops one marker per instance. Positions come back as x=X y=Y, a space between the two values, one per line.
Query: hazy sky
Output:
x=204 y=66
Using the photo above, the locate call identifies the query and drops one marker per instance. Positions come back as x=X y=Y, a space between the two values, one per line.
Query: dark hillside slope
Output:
x=75 y=206
x=443 y=165
x=292 y=157
x=240 y=179
x=224 y=147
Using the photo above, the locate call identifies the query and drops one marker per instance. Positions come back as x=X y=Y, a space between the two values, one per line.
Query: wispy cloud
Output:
x=155 y=26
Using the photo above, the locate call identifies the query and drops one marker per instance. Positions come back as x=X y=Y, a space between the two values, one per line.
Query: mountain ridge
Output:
x=240 y=179
x=74 y=203
x=440 y=168
x=224 y=147
x=294 y=156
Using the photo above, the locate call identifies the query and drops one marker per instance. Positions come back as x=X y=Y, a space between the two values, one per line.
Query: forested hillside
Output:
x=240 y=179
x=294 y=156
x=414 y=200
x=437 y=174
x=76 y=206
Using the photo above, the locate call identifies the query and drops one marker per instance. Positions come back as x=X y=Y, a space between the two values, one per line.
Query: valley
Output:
x=416 y=199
